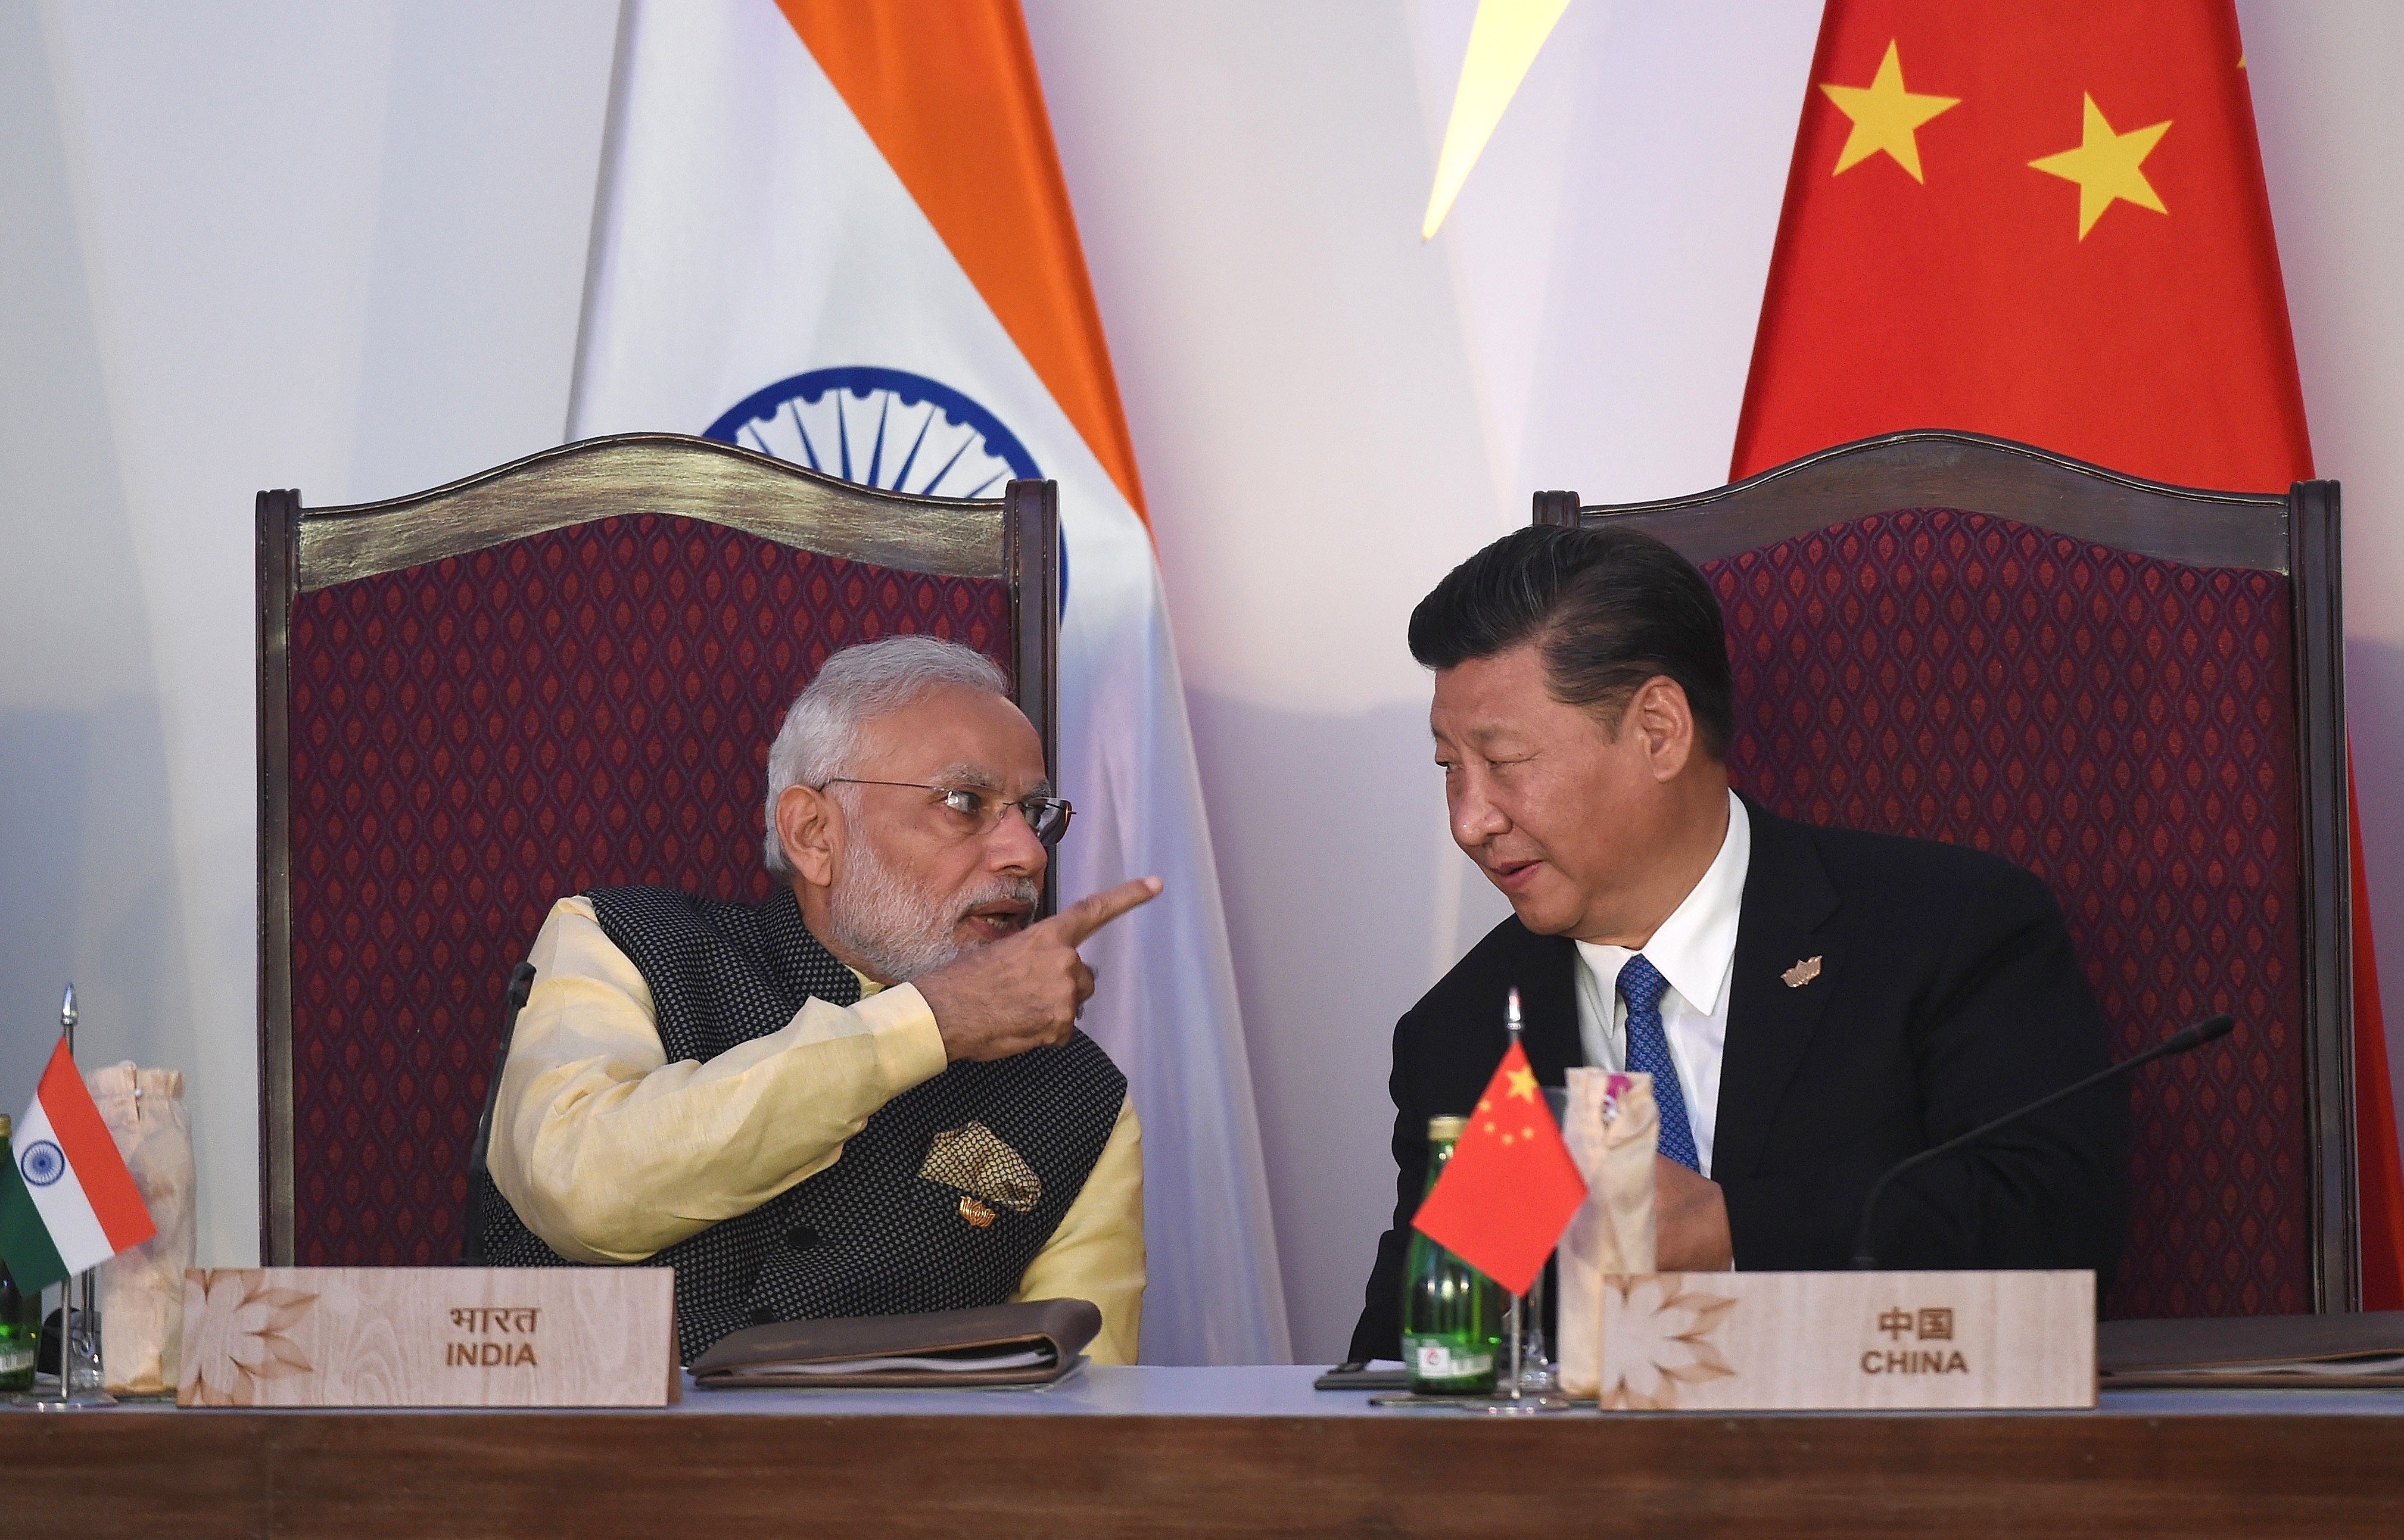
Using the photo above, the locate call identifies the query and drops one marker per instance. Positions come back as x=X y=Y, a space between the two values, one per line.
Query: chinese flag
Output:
x=1509 y=1188
x=2047 y=221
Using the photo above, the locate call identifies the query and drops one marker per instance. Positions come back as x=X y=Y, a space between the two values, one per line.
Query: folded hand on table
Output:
x=1690 y=1226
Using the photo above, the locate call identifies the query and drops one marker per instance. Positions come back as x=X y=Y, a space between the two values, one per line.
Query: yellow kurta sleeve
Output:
x=609 y=1153
x=1097 y=1252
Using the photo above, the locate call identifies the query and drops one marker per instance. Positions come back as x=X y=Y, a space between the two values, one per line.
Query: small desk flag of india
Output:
x=66 y=1201
x=1511 y=1188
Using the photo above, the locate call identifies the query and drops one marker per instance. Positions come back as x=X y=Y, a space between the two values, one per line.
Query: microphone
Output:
x=2193 y=1037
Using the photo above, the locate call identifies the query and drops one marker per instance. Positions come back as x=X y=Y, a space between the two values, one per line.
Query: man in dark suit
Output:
x=1814 y=1005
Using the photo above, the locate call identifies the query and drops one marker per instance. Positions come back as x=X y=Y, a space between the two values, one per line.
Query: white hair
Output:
x=858 y=684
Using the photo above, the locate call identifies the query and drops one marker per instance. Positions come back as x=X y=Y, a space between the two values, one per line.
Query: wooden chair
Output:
x=560 y=674
x=2134 y=690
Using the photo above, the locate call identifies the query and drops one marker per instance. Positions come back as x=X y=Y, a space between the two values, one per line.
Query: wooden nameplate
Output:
x=1866 y=1342
x=430 y=1336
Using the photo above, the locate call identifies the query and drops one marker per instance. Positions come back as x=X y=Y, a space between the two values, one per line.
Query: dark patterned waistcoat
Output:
x=869 y=1235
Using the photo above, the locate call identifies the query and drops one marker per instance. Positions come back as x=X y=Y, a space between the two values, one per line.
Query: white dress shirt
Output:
x=1694 y=949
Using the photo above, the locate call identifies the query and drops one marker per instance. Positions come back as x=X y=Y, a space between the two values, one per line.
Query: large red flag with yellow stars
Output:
x=2045 y=221
x=1511 y=1186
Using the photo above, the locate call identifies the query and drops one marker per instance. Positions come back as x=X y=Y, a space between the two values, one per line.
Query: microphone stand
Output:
x=1865 y=1260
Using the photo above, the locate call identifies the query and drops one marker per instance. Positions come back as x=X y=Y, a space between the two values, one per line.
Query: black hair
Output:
x=1610 y=607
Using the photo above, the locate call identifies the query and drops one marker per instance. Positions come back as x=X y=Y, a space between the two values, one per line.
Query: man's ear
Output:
x=811 y=827
x=1659 y=710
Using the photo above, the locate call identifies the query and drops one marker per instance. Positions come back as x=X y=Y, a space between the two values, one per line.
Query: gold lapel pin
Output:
x=1801 y=973
x=975 y=1212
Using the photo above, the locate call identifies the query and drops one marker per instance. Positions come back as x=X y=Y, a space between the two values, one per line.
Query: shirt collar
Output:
x=867 y=986
x=1693 y=947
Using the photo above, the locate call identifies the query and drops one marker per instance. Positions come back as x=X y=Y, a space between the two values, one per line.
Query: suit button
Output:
x=764 y=1316
x=802 y=1238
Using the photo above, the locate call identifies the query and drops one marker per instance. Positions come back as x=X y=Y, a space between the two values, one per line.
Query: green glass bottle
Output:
x=1452 y=1314
x=21 y=1320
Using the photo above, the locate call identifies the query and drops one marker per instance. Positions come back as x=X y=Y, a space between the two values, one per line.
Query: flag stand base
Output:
x=50 y=1400
x=80 y=1380
x=1493 y=1406
x=1515 y=1406
x=1503 y=1404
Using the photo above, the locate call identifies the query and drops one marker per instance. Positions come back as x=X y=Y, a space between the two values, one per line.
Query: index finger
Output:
x=1090 y=913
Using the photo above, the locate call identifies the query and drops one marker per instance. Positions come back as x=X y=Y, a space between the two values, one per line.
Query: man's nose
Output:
x=1475 y=818
x=1013 y=846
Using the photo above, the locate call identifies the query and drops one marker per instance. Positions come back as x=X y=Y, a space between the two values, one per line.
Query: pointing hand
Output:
x=1024 y=991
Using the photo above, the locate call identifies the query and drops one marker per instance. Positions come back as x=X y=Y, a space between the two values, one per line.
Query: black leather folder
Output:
x=1031 y=1344
x=2277 y=1352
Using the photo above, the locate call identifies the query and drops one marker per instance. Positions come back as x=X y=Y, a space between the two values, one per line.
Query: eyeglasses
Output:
x=1048 y=816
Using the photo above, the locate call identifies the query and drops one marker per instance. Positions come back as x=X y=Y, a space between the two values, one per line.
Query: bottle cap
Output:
x=1447 y=1128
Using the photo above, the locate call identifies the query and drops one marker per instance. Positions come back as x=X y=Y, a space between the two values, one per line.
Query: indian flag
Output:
x=66 y=1201
x=835 y=231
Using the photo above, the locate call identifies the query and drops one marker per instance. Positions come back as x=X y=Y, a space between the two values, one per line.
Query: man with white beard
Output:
x=867 y=1096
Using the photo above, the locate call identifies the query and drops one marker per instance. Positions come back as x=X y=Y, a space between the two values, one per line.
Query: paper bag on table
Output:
x=1612 y=1128
x=142 y=1290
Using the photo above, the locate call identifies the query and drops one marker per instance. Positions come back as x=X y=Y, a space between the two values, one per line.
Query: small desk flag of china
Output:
x=67 y=1201
x=1511 y=1188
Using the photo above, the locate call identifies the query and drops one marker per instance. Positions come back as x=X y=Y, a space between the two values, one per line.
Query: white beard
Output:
x=895 y=927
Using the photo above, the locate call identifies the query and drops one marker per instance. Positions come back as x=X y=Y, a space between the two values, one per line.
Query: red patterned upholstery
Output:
x=475 y=738
x=2123 y=726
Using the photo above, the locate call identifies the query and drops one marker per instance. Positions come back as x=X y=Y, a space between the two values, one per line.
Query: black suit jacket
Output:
x=1946 y=995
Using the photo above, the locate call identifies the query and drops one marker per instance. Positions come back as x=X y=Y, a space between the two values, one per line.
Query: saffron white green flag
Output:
x=66 y=1201
x=836 y=231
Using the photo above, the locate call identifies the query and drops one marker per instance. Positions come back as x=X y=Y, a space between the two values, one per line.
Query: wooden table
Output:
x=1143 y=1451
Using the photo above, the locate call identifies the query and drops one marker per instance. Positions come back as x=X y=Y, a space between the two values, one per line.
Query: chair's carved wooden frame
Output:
x=1014 y=538
x=2295 y=535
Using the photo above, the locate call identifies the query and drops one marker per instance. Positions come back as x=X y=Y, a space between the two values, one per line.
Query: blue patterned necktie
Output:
x=1641 y=986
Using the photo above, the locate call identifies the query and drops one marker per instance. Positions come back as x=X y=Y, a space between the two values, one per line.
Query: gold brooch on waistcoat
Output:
x=1801 y=973
x=973 y=1160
